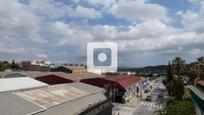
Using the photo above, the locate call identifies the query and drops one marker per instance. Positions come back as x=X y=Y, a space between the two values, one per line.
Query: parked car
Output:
x=161 y=95
x=148 y=98
x=146 y=91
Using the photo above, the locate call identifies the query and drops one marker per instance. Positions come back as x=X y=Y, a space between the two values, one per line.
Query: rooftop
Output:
x=200 y=82
x=53 y=79
x=34 y=74
x=123 y=80
x=70 y=99
x=12 y=104
x=119 y=81
x=53 y=95
x=20 y=83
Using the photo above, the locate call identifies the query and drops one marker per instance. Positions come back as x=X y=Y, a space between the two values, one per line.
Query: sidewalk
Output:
x=134 y=102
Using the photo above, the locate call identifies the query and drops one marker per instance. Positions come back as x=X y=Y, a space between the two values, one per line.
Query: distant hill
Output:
x=148 y=69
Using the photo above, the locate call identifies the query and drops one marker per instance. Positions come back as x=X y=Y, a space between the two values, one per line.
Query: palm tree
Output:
x=178 y=64
x=193 y=72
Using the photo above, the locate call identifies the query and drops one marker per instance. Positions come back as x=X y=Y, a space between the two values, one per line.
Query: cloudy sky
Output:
x=148 y=32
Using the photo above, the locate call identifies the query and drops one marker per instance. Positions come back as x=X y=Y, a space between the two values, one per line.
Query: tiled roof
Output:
x=123 y=80
x=117 y=81
x=200 y=82
x=53 y=79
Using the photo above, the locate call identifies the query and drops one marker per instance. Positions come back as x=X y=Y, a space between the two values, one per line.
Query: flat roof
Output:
x=197 y=91
x=20 y=83
x=53 y=95
x=77 y=106
x=64 y=97
x=12 y=104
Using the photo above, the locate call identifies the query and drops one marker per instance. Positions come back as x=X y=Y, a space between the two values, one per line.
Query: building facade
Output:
x=43 y=66
x=71 y=68
x=121 y=87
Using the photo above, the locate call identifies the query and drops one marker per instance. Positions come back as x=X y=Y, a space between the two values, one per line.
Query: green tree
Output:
x=200 y=67
x=169 y=73
x=185 y=107
x=192 y=72
x=178 y=64
x=169 y=87
x=167 y=82
x=175 y=88
x=178 y=89
x=14 y=65
x=4 y=65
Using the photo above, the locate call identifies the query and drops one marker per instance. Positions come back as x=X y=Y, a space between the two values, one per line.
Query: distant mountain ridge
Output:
x=147 y=69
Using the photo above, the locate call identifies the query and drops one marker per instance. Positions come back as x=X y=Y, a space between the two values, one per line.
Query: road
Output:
x=158 y=101
x=144 y=107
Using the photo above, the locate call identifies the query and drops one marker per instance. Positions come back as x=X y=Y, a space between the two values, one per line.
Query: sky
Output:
x=148 y=32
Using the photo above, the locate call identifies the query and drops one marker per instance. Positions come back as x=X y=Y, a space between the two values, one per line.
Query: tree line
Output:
x=177 y=72
x=7 y=65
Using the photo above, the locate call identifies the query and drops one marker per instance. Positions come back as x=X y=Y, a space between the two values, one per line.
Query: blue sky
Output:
x=148 y=32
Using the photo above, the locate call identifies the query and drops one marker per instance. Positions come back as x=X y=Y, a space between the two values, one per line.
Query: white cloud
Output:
x=25 y=28
x=86 y=12
x=42 y=55
x=52 y=9
x=70 y=34
x=106 y=3
x=18 y=23
x=192 y=19
x=154 y=36
x=139 y=10
x=195 y=51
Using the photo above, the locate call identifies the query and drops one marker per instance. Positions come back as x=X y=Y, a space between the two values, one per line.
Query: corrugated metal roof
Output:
x=66 y=99
x=11 y=84
x=76 y=106
x=197 y=91
x=11 y=104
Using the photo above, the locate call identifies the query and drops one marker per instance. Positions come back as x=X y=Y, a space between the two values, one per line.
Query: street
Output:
x=142 y=106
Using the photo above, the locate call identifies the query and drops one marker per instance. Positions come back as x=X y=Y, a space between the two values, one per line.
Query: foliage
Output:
x=174 y=86
x=192 y=72
x=14 y=65
x=4 y=65
x=169 y=73
x=175 y=107
x=109 y=73
x=186 y=93
x=178 y=64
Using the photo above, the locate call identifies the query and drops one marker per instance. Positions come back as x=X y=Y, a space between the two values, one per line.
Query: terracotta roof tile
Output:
x=200 y=82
